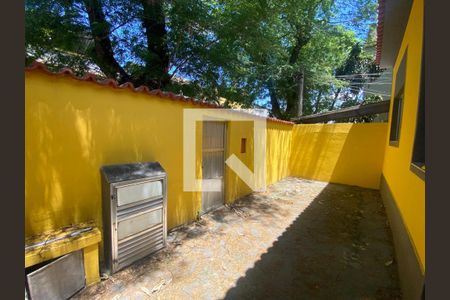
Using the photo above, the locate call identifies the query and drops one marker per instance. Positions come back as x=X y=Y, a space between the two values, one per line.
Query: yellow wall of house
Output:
x=407 y=188
x=344 y=153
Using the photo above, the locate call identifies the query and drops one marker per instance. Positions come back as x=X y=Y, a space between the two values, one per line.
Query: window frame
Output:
x=399 y=97
x=416 y=166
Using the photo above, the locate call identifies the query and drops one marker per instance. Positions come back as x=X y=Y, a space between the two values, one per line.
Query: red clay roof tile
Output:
x=37 y=66
x=380 y=27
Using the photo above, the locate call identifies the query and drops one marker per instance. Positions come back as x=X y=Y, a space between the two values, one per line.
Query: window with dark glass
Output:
x=397 y=108
x=418 y=158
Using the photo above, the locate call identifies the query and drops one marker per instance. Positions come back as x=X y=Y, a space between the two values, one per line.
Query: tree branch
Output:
x=276 y=111
x=317 y=104
x=103 y=54
x=157 y=60
x=184 y=61
x=335 y=98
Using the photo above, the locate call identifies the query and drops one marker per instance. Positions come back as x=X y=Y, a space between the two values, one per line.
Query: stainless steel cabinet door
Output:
x=59 y=279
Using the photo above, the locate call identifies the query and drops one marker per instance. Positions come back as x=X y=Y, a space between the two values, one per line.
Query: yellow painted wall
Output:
x=278 y=151
x=88 y=242
x=344 y=153
x=407 y=188
x=72 y=128
x=236 y=130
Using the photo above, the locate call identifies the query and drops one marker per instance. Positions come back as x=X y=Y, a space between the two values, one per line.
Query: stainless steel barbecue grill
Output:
x=134 y=212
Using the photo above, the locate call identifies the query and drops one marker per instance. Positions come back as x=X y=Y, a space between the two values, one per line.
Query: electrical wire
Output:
x=370 y=92
x=362 y=74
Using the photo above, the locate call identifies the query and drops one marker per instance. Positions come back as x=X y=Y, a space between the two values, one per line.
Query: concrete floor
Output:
x=301 y=239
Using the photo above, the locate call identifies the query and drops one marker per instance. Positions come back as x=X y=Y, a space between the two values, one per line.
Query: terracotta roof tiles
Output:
x=380 y=27
x=37 y=66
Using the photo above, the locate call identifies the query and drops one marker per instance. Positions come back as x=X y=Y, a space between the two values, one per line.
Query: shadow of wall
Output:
x=335 y=249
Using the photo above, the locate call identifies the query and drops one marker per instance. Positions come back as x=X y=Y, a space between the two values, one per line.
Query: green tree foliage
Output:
x=241 y=50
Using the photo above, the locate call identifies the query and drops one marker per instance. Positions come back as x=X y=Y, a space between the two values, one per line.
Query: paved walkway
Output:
x=301 y=239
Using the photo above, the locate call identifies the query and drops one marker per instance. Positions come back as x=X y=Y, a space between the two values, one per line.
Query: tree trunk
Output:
x=157 y=60
x=301 y=82
x=317 y=104
x=276 y=111
x=294 y=105
x=292 y=98
x=302 y=38
x=335 y=98
x=103 y=54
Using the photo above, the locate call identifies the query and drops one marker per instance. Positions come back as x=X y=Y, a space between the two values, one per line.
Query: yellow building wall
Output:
x=344 y=153
x=407 y=188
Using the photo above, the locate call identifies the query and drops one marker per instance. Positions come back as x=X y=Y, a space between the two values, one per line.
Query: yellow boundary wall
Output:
x=341 y=153
x=73 y=127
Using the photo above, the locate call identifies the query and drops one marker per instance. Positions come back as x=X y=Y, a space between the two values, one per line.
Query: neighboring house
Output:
x=400 y=47
x=257 y=111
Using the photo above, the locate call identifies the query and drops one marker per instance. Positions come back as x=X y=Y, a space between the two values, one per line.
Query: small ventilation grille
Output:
x=140 y=245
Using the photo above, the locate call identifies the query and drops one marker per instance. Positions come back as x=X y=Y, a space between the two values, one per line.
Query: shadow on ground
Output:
x=300 y=239
x=339 y=247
